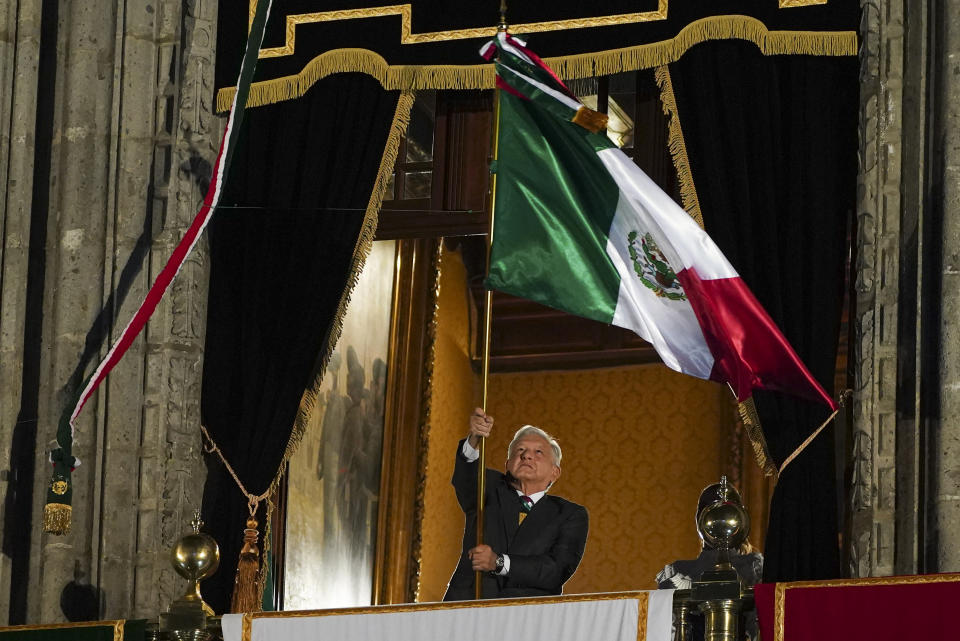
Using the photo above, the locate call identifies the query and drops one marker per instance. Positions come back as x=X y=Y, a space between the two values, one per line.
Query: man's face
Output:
x=531 y=463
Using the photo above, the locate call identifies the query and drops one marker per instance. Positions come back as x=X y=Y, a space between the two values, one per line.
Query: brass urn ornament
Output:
x=718 y=594
x=195 y=556
x=724 y=524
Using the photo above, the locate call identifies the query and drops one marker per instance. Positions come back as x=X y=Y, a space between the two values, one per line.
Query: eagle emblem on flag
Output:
x=652 y=267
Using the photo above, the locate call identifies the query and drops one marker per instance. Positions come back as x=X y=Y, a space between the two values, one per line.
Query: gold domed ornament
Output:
x=195 y=556
x=718 y=594
x=725 y=523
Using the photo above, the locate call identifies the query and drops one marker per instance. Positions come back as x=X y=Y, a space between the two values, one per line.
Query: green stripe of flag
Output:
x=555 y=203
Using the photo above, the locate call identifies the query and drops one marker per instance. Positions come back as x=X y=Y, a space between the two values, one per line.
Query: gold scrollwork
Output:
x=407 y=36
x=789 y=4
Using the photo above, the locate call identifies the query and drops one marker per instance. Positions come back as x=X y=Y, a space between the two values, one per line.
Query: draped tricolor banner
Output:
x=580 y=227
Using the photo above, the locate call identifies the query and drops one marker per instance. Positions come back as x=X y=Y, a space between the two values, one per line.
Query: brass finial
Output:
x=194 y=556
x=196 y=523
x=503 y=16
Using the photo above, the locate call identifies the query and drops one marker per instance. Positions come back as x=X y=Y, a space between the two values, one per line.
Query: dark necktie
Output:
x=526 y=504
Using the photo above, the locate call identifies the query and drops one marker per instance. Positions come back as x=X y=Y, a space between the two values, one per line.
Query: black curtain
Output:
x=772 y=145
x=280 y=254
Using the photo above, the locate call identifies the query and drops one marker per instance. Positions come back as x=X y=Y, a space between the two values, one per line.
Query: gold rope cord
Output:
x=586 y=65
x=780 y=591
x=308 y=400
x=265 y=555
x=642 y=596
x=691 y=203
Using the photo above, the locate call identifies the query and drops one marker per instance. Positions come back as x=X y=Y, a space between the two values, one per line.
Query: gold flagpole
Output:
x=487 y=322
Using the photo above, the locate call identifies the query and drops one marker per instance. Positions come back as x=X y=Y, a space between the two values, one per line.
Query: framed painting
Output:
x=334 y=478
x=351 y=503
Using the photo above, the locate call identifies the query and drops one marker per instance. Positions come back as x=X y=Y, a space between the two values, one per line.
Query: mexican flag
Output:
x=579 y=227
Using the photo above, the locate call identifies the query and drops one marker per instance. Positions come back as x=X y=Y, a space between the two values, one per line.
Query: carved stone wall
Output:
x=944 y=493
x=19 y=54
x=878 y=243
x=904 y=497
x=128 y=89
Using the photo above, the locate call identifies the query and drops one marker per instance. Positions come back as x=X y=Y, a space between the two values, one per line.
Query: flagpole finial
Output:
x=502 y=27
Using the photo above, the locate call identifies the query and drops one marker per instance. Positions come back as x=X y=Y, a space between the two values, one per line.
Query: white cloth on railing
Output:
x=570 y=618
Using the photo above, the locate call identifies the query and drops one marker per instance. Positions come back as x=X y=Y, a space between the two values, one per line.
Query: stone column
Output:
x=905 y=491
x=873 y=483
x=19 y=55
x=133 y=140
x=945 y=197
x=172 y=472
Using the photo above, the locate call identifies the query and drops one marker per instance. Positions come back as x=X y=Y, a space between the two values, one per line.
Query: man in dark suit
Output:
x=533 y=542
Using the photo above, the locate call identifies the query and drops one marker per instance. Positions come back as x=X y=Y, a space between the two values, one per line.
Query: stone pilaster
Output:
x=188 y=138
x=873 y=482
x=945 y=192
x=905 y=491
x=19 y=55
x=133 y=139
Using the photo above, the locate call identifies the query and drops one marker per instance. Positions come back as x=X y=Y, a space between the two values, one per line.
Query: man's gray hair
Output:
x=530 y=430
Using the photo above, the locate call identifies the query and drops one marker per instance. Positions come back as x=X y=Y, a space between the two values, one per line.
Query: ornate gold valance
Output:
x=431 y=44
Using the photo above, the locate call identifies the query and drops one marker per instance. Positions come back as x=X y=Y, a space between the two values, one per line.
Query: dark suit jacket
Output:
x=544 y=551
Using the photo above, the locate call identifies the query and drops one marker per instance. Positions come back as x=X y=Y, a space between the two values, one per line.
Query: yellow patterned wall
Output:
x=639 y=444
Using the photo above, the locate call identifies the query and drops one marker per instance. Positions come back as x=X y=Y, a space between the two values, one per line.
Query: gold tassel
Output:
x=589 y=119
x=245 y=592
x=57 y=518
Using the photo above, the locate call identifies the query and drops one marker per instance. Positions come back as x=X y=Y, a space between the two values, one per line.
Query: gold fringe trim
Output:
x=402 y=77
x=691 y=204
x=790 y=4
x=751 y=424
x=678 y=146
x=308 y=401
x=266 y=564
x=586 y=65
x=57 y=518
